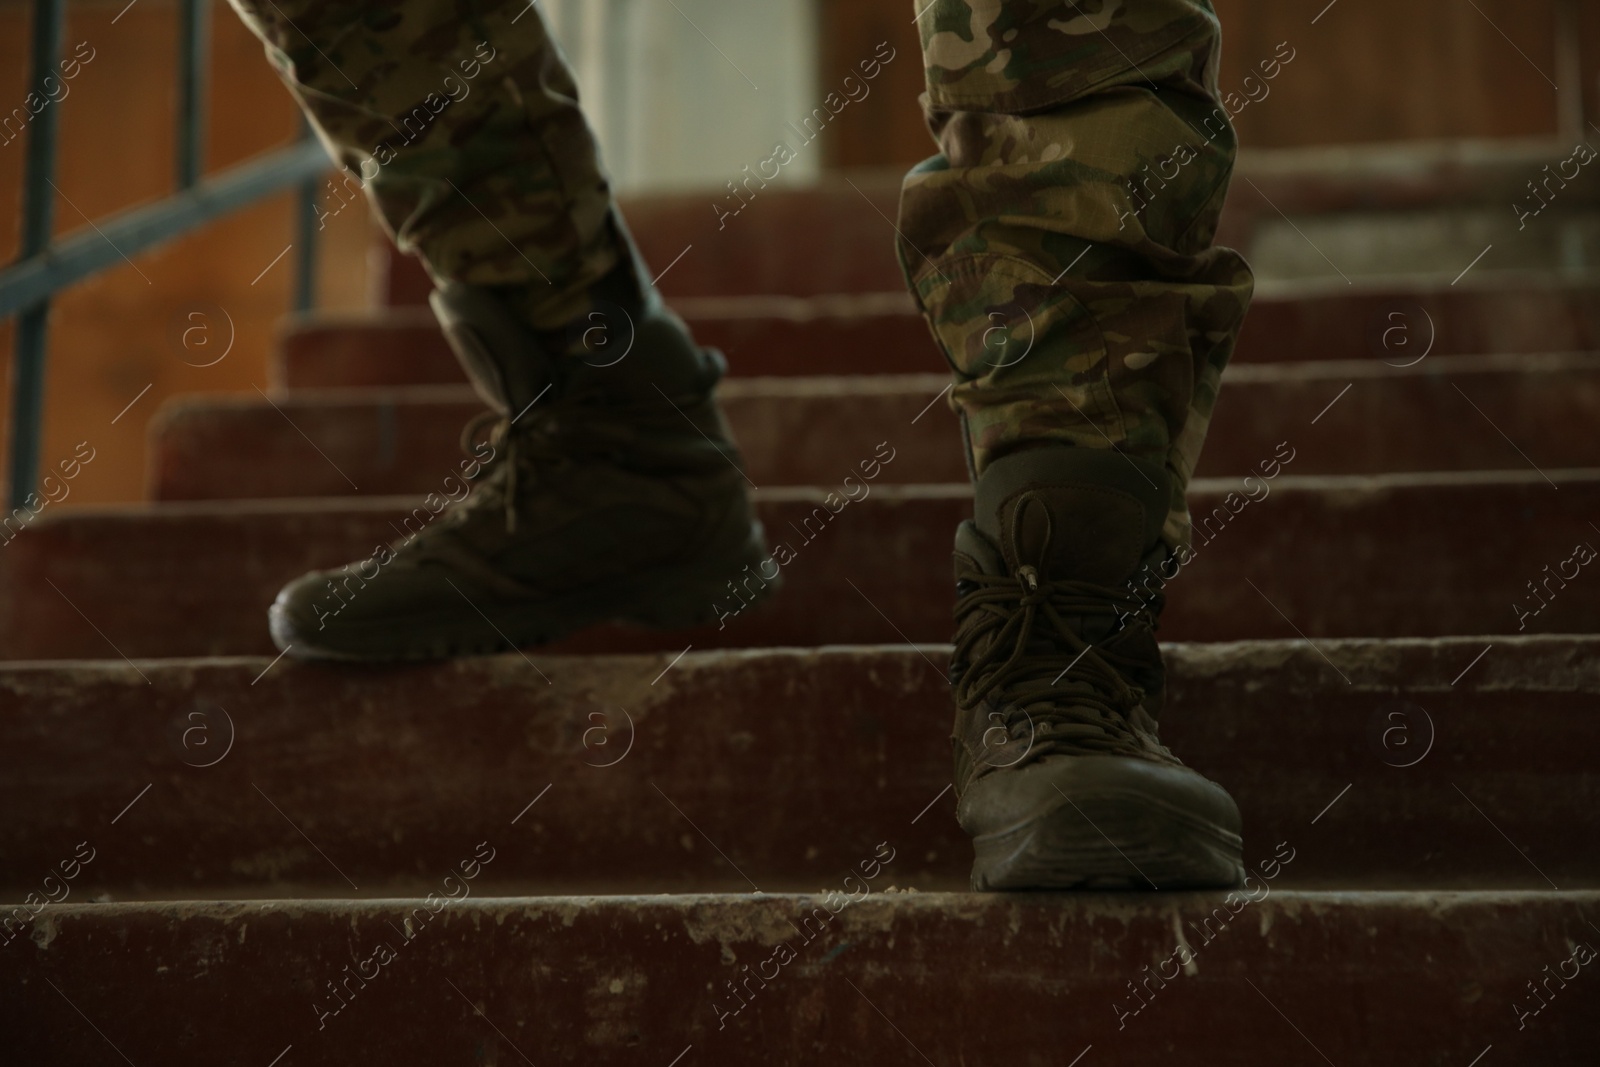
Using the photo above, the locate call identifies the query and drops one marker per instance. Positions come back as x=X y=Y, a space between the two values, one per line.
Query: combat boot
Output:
x=609 y=489
x=1060 y=776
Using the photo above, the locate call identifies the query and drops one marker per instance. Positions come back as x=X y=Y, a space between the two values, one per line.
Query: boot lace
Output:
x=528 y=445
x=1017 y=648
x=533 y=444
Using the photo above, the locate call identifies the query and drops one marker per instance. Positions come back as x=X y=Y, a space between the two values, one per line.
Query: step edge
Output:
x=1114 y=902
x=1331 y=484
x=1196 y=656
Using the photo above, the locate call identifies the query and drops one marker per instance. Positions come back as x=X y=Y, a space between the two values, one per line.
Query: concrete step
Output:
x=799 y=431
x=877 y=333
x=1395 y=322
x=832 y=237
x=1377 y=979
x=792 y=431
x=838 y=234
x=196 y=778
x=1396 y=555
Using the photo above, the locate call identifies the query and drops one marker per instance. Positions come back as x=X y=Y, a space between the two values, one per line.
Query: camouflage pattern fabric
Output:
x=462 y=122
x=1060 y=243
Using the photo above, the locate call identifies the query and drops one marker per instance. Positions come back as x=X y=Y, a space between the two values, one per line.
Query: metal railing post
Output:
x=193 y=50
x=38 y=217
x=305 y=273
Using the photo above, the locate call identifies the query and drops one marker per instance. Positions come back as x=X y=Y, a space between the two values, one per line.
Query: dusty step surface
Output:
x=1394 y=322
x=791 y=431
x=839 y=234
x=1319 y=556
x=882 y=977
x=1444 y=413
x=871 y=333
x=1418 y=762
x=835 y=236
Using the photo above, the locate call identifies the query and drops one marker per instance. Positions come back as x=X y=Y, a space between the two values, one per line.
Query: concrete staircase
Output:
x=736 y=844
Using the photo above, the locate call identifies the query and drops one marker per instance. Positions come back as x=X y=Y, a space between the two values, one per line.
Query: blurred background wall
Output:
x=683 y=92
x=686 y=92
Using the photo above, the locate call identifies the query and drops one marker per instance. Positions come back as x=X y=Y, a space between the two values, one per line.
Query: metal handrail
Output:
x=90 y=250
x=45 y=267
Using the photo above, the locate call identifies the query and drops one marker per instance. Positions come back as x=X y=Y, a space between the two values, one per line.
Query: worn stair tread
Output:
x=808 y=429
x=194 y=578
x=837 y=234
x=880 y=333
x=778 y=246
x=1377 y=979
x=872 y=333
x=1410 y=757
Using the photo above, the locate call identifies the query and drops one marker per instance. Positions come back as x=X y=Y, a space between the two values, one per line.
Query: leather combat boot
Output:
x=1058 y=682
x=598 y=488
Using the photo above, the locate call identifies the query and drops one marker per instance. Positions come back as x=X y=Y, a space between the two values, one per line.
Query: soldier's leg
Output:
x=462 y=124
x=1060 y=248
x=1060 y=243
x=613 y=490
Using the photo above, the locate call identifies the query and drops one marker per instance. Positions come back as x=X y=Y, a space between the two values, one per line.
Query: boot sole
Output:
x=667 y=598
x=1110 y=840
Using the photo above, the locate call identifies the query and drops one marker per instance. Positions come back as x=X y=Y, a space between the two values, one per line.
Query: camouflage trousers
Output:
x=461 y=121
x=1059 y=245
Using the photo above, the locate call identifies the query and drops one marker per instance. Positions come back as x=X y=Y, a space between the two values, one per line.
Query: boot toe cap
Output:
x=1004 y=799
x=1067 y=822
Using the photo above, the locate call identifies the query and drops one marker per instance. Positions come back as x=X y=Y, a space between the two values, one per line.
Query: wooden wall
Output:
x=1368 y=70
x=117 y=333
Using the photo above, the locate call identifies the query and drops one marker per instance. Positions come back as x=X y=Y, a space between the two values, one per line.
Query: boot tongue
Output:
x=502 y=357
x=511 y=365
x=511 y=362
x=1032 y=539
x=1073 y=533
x=1074 y=514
